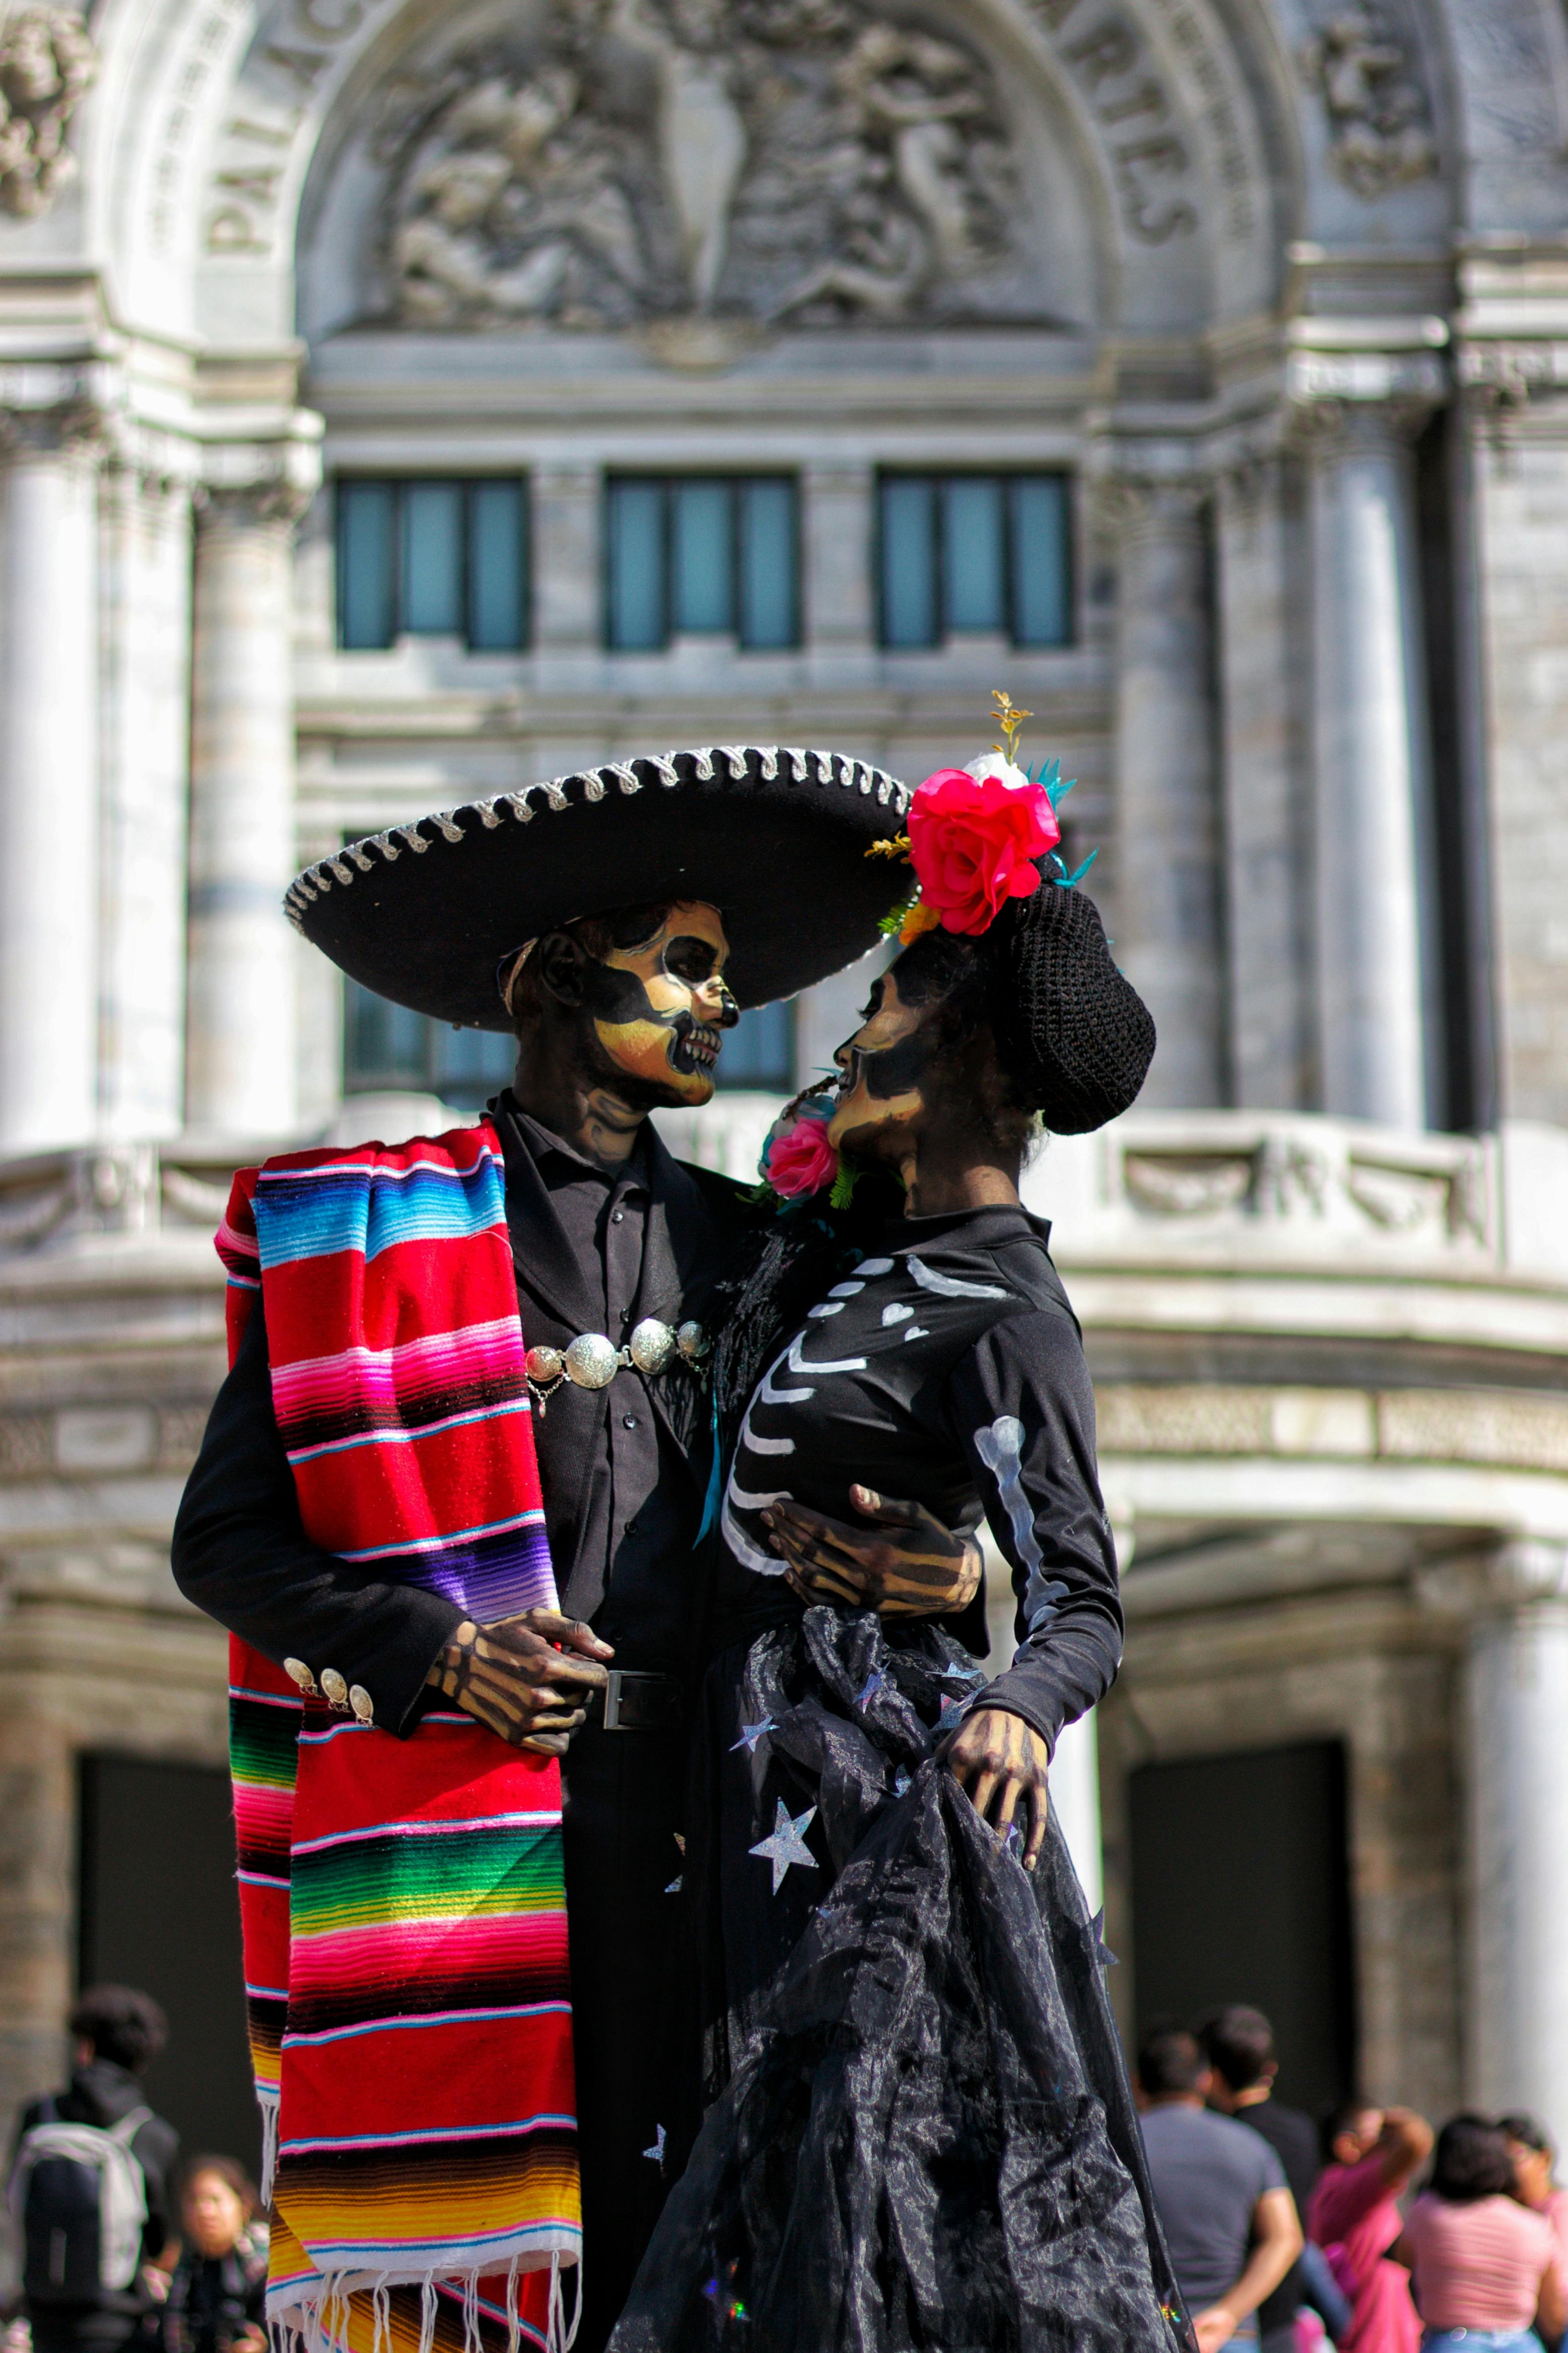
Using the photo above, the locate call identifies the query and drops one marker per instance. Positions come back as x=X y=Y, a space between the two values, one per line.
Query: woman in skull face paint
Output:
x=921 y=2132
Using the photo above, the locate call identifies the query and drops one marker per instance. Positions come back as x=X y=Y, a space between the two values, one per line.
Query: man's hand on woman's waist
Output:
x=903 y=1563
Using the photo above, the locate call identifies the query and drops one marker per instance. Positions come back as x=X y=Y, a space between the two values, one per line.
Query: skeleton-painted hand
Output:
x=1001 y=1762
x=528 y=1678
x=905 y=1564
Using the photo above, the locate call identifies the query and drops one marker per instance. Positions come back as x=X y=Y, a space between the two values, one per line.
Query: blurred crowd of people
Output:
x=1288 y=2238
x=120 y=2247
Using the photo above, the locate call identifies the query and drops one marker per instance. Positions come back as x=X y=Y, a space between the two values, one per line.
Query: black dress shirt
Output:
x=637 y=1504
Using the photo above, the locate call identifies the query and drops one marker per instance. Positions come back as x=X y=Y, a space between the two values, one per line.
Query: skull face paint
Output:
x=660 y=1010
x=885 y=1069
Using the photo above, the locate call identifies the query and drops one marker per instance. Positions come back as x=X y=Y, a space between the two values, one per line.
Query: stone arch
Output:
x=1172 y=133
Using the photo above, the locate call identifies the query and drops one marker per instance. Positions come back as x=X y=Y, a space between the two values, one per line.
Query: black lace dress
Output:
x=919 y=2132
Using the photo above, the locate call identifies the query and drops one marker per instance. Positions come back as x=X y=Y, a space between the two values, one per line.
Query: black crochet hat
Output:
x=774 y=837
x=1074 y=1034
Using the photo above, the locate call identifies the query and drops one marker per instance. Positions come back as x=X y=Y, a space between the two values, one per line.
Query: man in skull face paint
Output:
x=615 y=1015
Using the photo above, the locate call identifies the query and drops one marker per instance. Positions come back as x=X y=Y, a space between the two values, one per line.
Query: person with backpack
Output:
x=91 y=2178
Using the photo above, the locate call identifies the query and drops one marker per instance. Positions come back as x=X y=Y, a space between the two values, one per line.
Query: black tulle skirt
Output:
x=922 y=2134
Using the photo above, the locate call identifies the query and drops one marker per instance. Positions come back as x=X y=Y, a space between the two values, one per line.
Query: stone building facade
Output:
x=401 y=404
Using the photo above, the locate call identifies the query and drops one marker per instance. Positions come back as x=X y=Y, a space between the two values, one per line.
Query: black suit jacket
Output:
x=240 y=1552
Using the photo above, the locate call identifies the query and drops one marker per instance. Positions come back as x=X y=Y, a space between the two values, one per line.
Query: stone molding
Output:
x=1266 y=1186
x=61 y=1201
x=1501 y=1428
x=48 y=62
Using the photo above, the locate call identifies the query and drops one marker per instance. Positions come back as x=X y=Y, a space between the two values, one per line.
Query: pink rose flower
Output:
x=973 y=841
x=801 y=1160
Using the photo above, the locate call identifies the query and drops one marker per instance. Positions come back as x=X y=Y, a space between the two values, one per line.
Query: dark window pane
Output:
x=908 y=561
x=155 y=1886
x=498 y=566
x=433 y=559
x=760 y=1051
x=703 y=566
x=1040 y=564
x=636 y=568
x=768 y=597
x=471 y=1065
x=366 y=565
x=972 y=578
x=385 y=1045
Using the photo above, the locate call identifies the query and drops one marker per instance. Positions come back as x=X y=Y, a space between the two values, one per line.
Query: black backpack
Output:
x=79 y=2197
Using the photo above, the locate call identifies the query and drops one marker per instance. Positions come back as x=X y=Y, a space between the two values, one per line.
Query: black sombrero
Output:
x=775 y=838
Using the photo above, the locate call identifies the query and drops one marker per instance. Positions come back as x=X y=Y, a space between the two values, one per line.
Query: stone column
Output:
x=838 y=583
x=48 y=773
x=1267 y=842
x=568 y=562
x=240 y=1044
x=1518 y=1819
x=1378 y=1015
x=1166 y=927
x=146 y=728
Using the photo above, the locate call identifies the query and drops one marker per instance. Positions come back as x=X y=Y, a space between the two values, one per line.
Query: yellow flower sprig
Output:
x=1010 y=719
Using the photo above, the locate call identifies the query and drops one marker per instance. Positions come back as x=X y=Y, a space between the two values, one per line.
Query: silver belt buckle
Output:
x=613 y=1681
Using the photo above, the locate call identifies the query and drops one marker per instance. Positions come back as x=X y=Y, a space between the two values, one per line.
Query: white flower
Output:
x=997 y=764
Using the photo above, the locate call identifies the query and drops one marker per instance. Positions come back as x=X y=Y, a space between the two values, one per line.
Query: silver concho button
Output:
x=592 y=1361
x=335 y=1687
x=650 y=1345
x=362 y=1703
x=693 y=1343
x=300 y=1673
x=545 y=1365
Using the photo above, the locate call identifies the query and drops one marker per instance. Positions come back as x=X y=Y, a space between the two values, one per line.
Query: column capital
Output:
x=1132 y=498
x=269 y=480
x=50 y=408
x=1511 y=1578
x=1343 y=399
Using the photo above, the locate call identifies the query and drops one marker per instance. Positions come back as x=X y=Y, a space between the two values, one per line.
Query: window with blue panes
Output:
x=701 y=553
x=387 y=1047
x=760 y=1051
x=974 y=553
x=433 y=558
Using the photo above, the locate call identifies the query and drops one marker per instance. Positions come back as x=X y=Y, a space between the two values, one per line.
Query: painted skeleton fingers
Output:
x=527 y=1678
x=903 y=1564
x=1003 y=1764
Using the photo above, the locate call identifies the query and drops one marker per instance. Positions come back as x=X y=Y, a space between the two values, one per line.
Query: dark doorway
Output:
x=1240 y=1893
x=159 y=1910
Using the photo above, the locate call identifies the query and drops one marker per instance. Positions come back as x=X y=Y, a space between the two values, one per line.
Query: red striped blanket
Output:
x=403 y=1901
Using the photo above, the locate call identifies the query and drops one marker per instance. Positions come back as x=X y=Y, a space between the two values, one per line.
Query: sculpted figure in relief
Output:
x=1376 y=110
x=658 y=160
x=46 y=62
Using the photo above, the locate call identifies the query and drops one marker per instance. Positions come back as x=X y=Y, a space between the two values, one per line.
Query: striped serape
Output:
x=403 y=1901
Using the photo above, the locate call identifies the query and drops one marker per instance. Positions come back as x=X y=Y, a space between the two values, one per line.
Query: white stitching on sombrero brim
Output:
x=593 y=784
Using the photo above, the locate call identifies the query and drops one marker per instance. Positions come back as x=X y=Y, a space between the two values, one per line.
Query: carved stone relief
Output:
x=1382 y=135
x=629 y=161
x=47 y=62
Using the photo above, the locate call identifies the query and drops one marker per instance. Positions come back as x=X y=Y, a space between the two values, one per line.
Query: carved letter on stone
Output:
x=1377 y=113
x=46 y=62
x=683 y=160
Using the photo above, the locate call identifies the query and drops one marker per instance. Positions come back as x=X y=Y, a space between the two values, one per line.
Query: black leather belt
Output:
x=637 y=1702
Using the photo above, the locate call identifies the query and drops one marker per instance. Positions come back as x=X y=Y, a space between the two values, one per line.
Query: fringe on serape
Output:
x=403 y=1902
